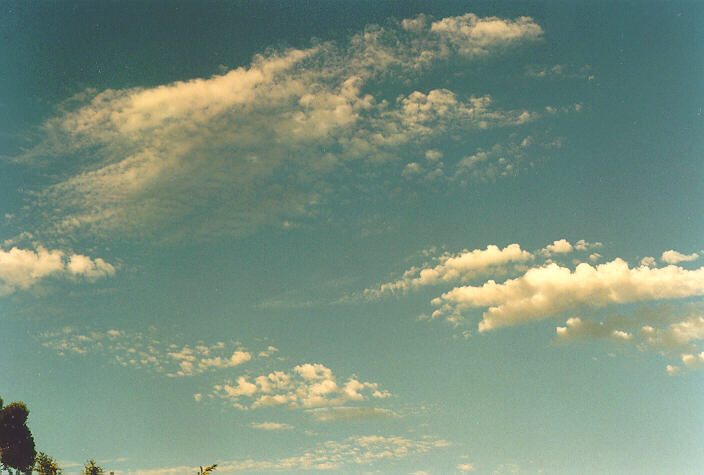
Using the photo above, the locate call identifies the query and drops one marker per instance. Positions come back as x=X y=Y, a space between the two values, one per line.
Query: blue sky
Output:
x=396 y=237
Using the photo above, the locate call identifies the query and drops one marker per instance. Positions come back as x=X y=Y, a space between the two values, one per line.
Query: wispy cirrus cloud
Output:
x=262 y=138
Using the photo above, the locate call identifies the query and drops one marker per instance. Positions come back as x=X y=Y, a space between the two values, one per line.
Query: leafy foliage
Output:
x=46 y=465
x=91 y=468
x=16 y=441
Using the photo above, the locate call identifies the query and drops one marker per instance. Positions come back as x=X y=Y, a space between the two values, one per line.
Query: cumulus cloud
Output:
x=260 y=137
x=562 y=246
x=453 y=268
x=674 y=257
x=551 y=289
x=306 y=386
x=20 y=269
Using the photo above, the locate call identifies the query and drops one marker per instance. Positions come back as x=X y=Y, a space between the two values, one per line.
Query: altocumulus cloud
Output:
x=254 y=145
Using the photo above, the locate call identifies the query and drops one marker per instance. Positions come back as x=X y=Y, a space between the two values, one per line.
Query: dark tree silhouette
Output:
x=16 y=442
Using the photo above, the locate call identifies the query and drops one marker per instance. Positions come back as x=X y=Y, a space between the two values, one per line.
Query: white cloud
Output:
x=578 y=329
x=648 y=261
x=21 y=269
x=338 y=413
x=674 y=257
x=329 y=455
x=551 y=289
x=559 y=71
x=466 y=467
x=145 y=351
x=247 y=136
x=452 y=268
x=562 y=246
x=677 y=335
x=271 y=426
x=673 y=370
x=694 y=361
x=306 y=386
x=501 y=160
x=475 y=36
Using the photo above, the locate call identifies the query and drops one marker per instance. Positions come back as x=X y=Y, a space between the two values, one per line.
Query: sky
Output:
x=355 y=237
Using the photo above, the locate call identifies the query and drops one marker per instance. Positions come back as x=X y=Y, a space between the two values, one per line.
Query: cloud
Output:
x=681 y=338
x=484 y=165
x=329 y=455
x=678 y=335
x=694 y=361
x=578 y=329
x=466 y=467
x=306 y=386
x=475 y=36
x=253 y=146
x=559 y=71
x=551 y=289
x=453 y=268
x=340 y=413
x=558 y=247
x=270 y=426
x=21 y=269
x=149 y=352
x=673 y=370
x=674 y=257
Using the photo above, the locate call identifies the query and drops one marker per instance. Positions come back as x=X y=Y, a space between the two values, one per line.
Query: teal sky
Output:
x=394 y=237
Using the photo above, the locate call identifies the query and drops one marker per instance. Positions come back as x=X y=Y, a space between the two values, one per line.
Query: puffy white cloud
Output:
x=23 y=268
x=306 y=386
x=694 y=361
x=259 y=136
x=674 y=257
x=648 y=261
x=452 y=268
x=562 y=246
x=466 y=467
x=551 y=289
x=90 y=268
